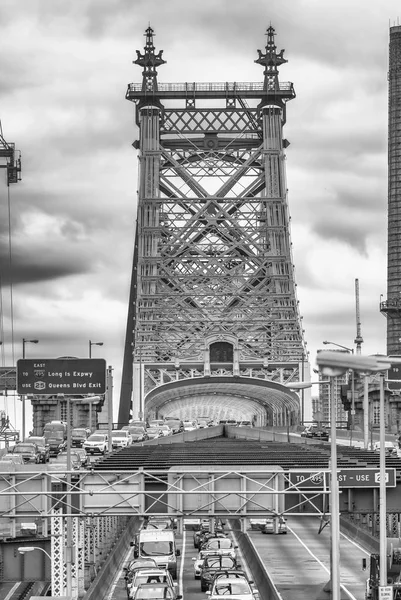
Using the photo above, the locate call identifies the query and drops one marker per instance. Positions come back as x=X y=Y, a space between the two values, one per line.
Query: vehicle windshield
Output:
x=153 y=429
x=136 y=430
x=119 y=434
x=96 y=438
x=224 y=588
x=218 y=562
x=54 y=435
x=22 y=448
x=141 y=577
x=154 y=593
x=77 y=432
x=156 y=548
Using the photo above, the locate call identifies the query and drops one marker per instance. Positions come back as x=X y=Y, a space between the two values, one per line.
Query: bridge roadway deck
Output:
x=298 y=563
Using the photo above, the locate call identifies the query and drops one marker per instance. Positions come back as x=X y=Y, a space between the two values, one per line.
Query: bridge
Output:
x=213 y=301
x=213 y=328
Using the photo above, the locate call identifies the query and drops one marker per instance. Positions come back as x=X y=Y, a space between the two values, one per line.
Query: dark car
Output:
x=208 y=535
x=137 y=433
x=29 y=452
x=213 y=564
x=79 y=435
x=44 y=447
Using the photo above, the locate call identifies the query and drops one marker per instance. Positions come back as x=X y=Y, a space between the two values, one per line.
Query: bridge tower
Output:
x=213 y=290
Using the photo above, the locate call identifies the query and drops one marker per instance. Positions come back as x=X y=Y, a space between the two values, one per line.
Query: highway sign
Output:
x=347 y=478
x=48 y=376
x=394 y=376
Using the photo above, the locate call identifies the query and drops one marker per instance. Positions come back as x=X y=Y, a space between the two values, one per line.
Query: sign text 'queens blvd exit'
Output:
x=59 y=376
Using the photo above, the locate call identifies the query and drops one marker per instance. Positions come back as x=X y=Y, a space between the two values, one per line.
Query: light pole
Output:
x=351 y=350
x=93 y=344
x=333 y=365
x=24 y=341
x=25 y=549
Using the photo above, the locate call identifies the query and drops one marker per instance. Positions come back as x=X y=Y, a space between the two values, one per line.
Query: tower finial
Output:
x=271 y=61
x=149 y=61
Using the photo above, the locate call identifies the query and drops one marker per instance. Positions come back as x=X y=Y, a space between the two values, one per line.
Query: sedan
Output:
x=154 y=433
x=143 y=576
x=211 y=565
x=29 y=452
x=232 y=585
x=270 y=525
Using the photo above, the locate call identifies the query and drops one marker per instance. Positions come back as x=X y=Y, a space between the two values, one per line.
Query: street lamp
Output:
x=351 y=350
x=93 y=344
x=24 y=341
x=332 y=364
x=25 y=549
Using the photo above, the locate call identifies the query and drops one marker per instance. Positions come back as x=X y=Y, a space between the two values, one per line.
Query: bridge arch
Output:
x=261 y=401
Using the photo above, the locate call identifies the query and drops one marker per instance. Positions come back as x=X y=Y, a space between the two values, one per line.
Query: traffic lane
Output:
x=299 y=562
x=188 y=586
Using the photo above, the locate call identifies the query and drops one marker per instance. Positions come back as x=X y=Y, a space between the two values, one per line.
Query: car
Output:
x=207 y=535
x=154 y=433
x=272 y=523
x=257 y=524
x=176 y=425
x=137 y=433
x=231 y=584
x=190 y=425
x=62 y=458
x=97 y=443
x=199 y=560
x=150 y=575
x=213 y=564
x=156 y=591
x=120 y=438
x=223 y=545
x=79 y=435
x=15 y=459
x=44 y=447
x=30 y=452
x=135 y=565
x=156 y=423
x=389 y=448
x=136 y=423
x=166 y=430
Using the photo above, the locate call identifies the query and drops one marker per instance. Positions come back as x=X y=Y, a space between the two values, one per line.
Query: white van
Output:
x=160 y=545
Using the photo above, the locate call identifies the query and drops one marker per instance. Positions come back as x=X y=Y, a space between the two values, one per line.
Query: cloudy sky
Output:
x=64 y=68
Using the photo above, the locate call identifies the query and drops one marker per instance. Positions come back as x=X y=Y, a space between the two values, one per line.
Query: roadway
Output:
x=298 y=563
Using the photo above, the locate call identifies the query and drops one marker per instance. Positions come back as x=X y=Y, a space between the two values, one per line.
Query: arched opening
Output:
x=221 y=352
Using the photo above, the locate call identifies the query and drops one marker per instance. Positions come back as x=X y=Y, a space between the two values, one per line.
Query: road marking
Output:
x=355 y=544
x=10 y=593
x=349 y=594
x=180 y=584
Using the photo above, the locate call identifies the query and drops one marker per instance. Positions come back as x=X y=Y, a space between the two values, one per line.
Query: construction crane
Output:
x=359 y=339
x=13 y=159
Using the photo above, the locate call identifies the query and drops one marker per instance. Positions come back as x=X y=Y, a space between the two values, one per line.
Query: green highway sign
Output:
x=347 y=478
x=48 y=376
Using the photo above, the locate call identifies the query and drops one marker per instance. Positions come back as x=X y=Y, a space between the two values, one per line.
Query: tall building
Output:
x=324 y=399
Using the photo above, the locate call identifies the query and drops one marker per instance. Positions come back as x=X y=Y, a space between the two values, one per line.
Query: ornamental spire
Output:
x=149 y=61
x=271 y=61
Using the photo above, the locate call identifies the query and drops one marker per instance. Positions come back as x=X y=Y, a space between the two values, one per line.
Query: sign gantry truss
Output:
x=214 y=256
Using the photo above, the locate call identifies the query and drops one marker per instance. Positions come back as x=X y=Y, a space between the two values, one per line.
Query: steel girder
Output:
x=214 y=250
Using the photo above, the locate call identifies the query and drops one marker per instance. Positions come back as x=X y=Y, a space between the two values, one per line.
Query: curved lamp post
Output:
x=93 y=344
x=25 y=549
x=334 y=364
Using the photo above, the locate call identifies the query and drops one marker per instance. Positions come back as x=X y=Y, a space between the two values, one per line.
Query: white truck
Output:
x=160 y=545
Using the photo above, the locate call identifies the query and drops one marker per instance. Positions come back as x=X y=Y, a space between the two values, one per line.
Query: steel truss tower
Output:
x=213 y=289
